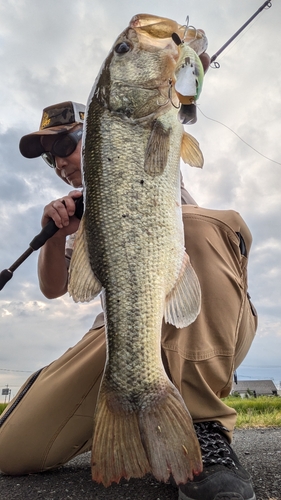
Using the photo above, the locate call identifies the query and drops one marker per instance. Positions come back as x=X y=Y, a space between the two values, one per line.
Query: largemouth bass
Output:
x=130 y=244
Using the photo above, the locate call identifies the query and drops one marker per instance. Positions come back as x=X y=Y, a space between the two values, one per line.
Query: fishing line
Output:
x=247 y=144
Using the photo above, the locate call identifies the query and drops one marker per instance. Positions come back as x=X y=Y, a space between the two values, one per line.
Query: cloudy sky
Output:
x=51 y=51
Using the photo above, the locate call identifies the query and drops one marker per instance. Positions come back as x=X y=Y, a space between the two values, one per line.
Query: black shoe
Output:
x=223 y=477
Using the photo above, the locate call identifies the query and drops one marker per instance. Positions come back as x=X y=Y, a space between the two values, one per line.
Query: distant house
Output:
x=257 y=387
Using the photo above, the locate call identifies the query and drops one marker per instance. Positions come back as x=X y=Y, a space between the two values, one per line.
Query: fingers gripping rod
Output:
x=38 y=241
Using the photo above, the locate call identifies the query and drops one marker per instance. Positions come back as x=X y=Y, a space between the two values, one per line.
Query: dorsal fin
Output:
x=83 y=286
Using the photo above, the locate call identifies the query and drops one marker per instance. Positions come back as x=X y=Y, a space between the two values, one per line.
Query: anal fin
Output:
x=184 y=301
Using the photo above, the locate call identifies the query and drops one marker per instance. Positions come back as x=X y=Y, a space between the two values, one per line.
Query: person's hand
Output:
x=62 y=212
x=205 y=60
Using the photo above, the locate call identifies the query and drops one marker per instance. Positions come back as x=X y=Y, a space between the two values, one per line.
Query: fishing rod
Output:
x=265 y=5
x=38 y=241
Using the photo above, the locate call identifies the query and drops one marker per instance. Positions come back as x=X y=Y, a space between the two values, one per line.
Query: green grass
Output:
x=256 y=412
x=2 y=407
x=252 y=412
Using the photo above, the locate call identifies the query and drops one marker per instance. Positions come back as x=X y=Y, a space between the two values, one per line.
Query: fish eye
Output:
x=122 y=48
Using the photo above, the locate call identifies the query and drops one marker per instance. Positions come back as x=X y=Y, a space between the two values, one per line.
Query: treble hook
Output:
x=170 y=94
x=186 y=27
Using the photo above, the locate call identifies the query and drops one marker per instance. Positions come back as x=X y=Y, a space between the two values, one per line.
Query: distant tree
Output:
x=236 y=394
x=250 y=394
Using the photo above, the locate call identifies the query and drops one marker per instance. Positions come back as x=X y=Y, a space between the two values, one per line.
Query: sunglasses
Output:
x=64 y=146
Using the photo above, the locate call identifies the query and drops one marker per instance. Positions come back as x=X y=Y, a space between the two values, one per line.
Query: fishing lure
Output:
x=189 y=75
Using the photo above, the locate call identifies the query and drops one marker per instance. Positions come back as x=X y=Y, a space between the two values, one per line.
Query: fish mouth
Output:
x=160 y=28
x=150 y=97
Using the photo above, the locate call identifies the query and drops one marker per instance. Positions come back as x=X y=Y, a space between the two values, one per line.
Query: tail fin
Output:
x=117 y=448
x=170 y=440
x=159 y=439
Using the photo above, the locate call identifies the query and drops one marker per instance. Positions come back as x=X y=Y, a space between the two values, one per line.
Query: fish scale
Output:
x=127 y=238
x=130 y=245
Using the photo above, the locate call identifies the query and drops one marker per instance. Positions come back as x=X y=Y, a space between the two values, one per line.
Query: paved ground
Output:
x=259 y=451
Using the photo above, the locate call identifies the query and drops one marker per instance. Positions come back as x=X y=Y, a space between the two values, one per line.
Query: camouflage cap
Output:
x=56 y=119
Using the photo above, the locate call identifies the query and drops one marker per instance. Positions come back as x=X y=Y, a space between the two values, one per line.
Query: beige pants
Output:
x=52 y=423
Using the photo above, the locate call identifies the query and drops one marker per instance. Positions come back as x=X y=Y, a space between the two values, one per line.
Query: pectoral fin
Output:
x=184 y=301
x=83 y=286
x=157 y=150
x=191 y=152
